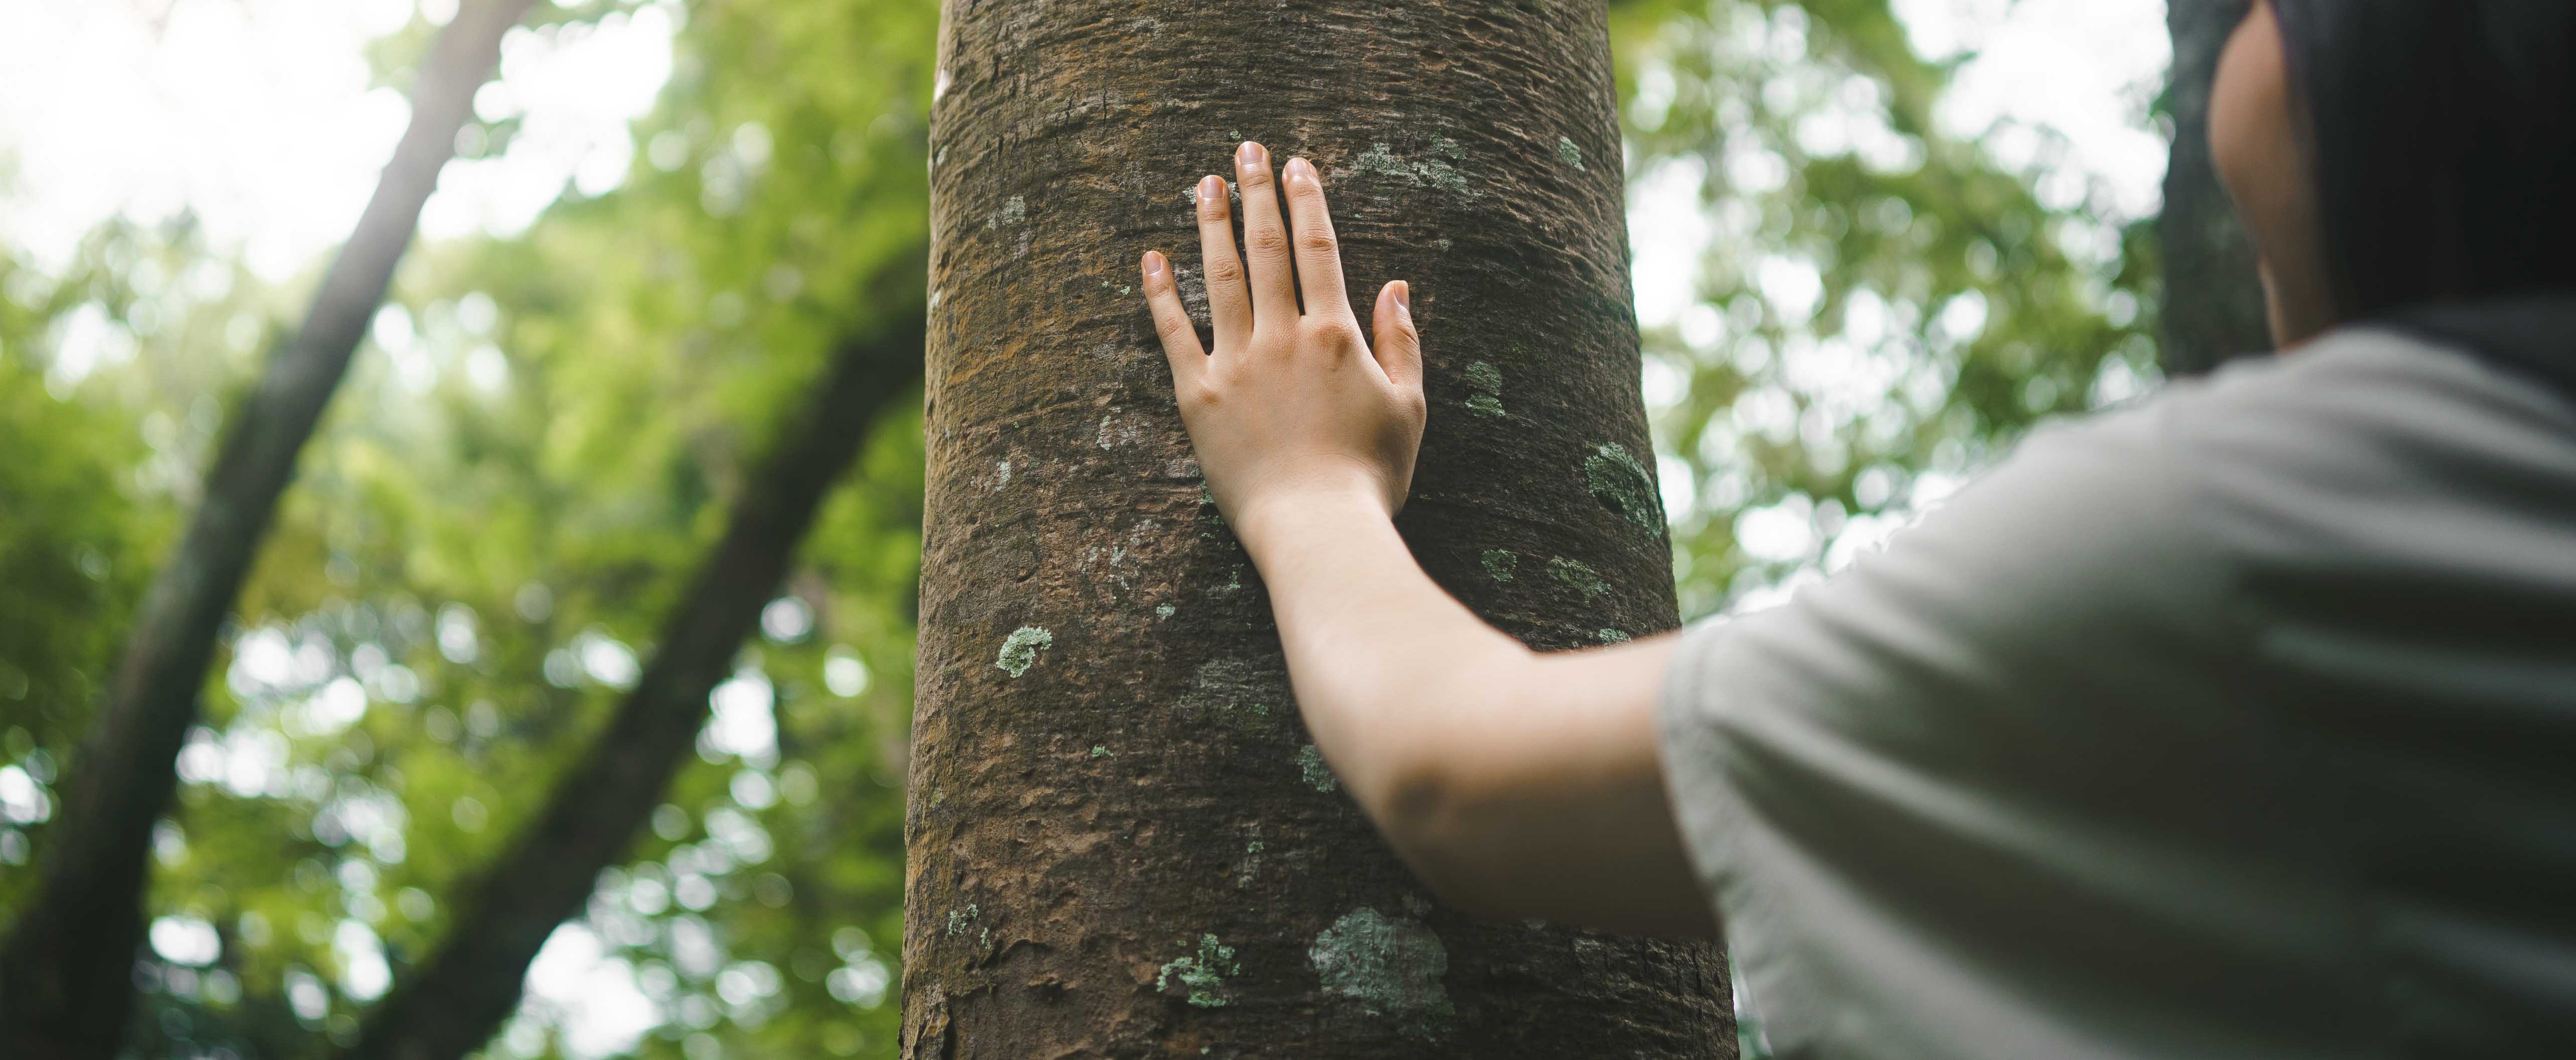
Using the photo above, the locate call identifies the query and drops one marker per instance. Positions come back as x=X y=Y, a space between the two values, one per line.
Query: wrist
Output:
x=1277 y=518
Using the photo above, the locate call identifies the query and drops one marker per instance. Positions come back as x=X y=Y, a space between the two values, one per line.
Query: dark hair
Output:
x=2444 y=147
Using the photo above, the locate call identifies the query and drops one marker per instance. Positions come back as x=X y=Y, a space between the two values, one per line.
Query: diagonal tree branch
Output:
x=464 y=991
x=65 y=980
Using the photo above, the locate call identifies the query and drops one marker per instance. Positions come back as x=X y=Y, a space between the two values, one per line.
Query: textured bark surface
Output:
x=460 y=996
x=2213 y=304
x=1122 y=843
x=66 y=967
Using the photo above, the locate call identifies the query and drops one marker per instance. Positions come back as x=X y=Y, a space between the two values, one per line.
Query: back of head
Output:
x=2444 y=147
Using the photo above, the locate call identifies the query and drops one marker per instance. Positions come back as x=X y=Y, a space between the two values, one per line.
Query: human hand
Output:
x=1288 y=407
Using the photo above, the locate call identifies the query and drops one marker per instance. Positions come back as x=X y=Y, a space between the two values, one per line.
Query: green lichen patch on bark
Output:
x=1500 y=563
x=1311 y=763
x=1614 y=636
x=1439 y=171
x=1207 y=500
x=1249 y=868
x=1020 y=650
x=1624 y=486
x=1487 y=381
x=1251 y=695
x=1233 y=580
x=1012 y=212
x=1567 y=153
x=1391 y=965
x=1575 y=574
x=1200 y=978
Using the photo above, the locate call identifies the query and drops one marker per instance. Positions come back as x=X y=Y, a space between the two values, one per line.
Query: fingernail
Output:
x=1153 y=263
x=1300 y=169
x=1211 y=188
x=1249 y=156
x=1404 y=297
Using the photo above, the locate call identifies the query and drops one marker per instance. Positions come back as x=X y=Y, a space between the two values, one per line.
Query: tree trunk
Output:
x=461 y=994
x=1122 y=843
x=65 y=969
x=2213 y=301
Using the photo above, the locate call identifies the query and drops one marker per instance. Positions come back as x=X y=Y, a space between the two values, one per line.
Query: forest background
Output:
x=1874 y=243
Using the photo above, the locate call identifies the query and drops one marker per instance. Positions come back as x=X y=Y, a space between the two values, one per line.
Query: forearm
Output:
x=1375 y=649
x=1511 y=781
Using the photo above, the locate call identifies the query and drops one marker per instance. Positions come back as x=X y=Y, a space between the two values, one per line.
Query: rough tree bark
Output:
x=2213 y=301
x=460 y=996
x=1121 y=842
x=65 y=969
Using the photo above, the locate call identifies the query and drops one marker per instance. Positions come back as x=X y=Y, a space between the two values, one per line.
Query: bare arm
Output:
x=1516 y=784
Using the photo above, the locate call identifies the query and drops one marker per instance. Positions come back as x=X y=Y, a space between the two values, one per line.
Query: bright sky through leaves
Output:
x=258 y=115
x=2086 y=69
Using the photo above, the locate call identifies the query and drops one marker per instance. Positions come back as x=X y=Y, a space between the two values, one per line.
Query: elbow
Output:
x=1432 y=819
x=1416 y=802
x=1432 y=784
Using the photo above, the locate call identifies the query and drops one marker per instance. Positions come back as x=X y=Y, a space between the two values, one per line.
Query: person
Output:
x=2236 y=722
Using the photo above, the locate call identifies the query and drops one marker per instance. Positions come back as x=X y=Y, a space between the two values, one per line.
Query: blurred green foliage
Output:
x=1883 y=304
x=543 y=433
x=75 y=538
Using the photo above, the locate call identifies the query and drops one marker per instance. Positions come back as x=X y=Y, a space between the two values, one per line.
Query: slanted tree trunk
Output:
x=1122 y=843
x=65 y=968
x=2213 y=301
x=460 y=996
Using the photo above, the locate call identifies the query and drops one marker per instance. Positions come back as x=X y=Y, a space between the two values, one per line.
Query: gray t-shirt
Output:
x=2240 y=722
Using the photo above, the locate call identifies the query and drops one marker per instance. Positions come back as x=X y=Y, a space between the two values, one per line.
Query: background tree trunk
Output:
x=461 y=994
x=66 y=967
x=1121 y=842
x=2213 y=301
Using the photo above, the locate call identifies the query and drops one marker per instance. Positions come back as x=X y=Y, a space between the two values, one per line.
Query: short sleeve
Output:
x=1940 y=797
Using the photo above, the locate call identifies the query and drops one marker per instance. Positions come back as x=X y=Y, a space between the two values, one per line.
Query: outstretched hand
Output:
x=1289 y=407
x=1467 y=749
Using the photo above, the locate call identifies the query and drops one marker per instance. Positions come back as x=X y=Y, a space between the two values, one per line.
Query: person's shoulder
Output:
x=2113 y=470
x=2080 y=529
x=2347 y=445
x=2357 y=384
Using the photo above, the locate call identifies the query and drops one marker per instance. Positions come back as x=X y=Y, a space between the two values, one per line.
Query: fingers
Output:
x=1319 y=254
x=1265 y=233
x=1180 y=340
x=1398 y=347
x=1229 y=304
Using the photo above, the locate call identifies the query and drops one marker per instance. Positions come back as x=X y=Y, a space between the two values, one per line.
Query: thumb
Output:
x=1398 y=347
